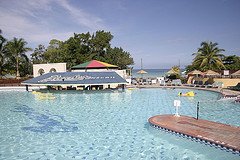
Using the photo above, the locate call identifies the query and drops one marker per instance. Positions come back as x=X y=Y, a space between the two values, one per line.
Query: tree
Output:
x=77 y=49
x=209 y=56
x=191 y=67
x=38 y=55
x=3 y=63
x=119 y=57
x=54 y=52
x=232 y=62
x=81 y=48
x=16 y=49
x=25 y=67
x=99 y=44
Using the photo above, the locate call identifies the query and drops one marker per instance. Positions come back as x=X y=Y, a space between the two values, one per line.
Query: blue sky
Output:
x=160 y=32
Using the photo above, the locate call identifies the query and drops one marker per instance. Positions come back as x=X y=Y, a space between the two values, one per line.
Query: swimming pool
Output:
x=105 y=125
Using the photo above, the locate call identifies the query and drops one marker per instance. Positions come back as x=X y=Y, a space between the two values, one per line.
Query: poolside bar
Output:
x=78 y=81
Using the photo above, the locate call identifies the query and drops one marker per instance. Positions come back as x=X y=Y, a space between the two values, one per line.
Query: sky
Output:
x=162 y=33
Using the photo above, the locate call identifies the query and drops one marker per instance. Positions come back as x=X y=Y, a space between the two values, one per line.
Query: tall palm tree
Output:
x=17 y=49
x=209 y=57
x=2 y=53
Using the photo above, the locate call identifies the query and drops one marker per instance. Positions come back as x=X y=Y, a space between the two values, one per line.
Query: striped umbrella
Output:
x=94 y=64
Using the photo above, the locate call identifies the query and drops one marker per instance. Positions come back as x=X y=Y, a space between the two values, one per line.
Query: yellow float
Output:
x=46 y=97
x=35 y=92
x=43 y=96
x=188 y=94
x=132 y=88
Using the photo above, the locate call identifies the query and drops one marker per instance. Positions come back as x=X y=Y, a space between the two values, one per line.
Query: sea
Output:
x=151 y=73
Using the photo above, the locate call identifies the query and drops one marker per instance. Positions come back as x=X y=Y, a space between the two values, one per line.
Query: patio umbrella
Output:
x=142 y=72
x=195 y=72
x=211 y=73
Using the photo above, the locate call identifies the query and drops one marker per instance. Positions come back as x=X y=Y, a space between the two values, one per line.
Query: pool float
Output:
x=46 y=97
x=132 y=88
x=188 y=94
x=35 y=92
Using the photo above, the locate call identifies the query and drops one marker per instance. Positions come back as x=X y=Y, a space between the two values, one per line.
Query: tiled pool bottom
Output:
x=107 y=125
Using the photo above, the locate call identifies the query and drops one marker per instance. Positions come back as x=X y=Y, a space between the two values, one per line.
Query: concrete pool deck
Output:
x=223 y=91
x=215 y=133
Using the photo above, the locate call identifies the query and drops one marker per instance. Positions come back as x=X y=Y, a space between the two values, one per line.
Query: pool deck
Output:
x=223 y=91
x=216 y=133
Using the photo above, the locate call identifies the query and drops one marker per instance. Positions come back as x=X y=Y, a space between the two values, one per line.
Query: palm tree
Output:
x=209 y=57
x=2 y=53
x=17 y=49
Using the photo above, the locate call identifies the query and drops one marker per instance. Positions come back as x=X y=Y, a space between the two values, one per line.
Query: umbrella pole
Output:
x=141 y=69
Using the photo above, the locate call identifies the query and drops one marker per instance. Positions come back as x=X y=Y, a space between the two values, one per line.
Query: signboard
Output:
x=177 y=104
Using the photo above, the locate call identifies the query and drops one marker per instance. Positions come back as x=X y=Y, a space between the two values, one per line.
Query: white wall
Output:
x=59 y=67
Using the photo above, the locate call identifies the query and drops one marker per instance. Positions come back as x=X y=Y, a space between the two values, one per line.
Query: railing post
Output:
x=197 y=110
x=26 y=87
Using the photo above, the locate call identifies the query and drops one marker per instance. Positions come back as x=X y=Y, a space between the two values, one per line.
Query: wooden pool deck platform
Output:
x=215 y=133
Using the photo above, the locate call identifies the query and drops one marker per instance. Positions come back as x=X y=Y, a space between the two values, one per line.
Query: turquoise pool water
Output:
x=106 y=125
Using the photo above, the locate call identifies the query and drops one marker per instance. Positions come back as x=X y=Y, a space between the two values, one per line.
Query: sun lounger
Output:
x=149 y=81
x=154 y=81
x=217 y=85
x=176 y=82
x=195 y=83
x=206 y=85
x=162 y=83
x=134 y=82
x=236 y=88
x=199 y=84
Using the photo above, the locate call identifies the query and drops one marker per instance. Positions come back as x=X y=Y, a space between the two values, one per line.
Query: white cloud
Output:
x=48 y=36
x=37 y=21
x=82 y=17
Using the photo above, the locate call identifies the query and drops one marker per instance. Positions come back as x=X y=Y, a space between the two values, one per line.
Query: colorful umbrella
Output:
x=94 y=64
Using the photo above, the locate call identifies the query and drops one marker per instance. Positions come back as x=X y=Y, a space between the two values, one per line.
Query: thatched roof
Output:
x=195 y=72
x=236 y=73
x=211 y=73
x=171 y=72
x=141 y=72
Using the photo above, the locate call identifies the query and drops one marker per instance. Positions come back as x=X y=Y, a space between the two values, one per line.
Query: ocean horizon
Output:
x=150 y=73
